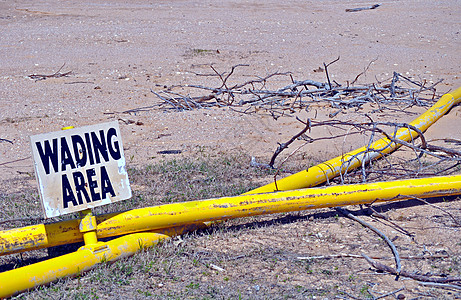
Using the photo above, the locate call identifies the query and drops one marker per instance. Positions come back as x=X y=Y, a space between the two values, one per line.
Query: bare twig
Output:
x=423 y=278
x=451 y=152
x=38 y=77
x=13 y=161
x=456 y=220
x=388 y=294
x=364 y=71
x=326 y=71
x=348 y=214
x=441 y=285
x=347 y=255
x=5 y=140
x=283 y=146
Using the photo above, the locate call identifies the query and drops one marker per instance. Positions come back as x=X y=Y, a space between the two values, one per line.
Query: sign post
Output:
x=80 y=168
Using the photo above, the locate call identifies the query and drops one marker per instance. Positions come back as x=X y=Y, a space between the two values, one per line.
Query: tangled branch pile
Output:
x=254 y=95
x=398 y=93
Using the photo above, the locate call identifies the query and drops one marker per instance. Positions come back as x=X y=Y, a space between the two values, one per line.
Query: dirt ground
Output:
x=117 y=51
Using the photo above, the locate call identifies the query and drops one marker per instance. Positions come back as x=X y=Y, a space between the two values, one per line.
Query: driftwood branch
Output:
x=38 y=77
x=364 y=71
x=347 y=255
x=363 y=8
x=326 y=71
x=298 y=94
x=441 y=285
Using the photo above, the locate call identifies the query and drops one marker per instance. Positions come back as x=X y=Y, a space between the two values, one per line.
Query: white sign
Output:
x=80 y=168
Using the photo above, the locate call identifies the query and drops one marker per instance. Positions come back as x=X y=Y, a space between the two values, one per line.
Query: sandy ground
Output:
x=118 y=51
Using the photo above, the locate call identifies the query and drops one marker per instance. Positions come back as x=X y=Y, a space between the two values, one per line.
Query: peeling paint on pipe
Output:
x=84 y=259
x=177 y=214
x=169 y=215
x=26 y=278
x=195 y=212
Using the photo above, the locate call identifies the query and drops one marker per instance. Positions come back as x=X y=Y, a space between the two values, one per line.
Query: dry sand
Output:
x=119 y=50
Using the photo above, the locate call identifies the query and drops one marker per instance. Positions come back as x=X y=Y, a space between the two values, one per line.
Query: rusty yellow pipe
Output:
x=15 y=281
x=194 y=212
x=170 y=217
x=85 y=258
x=322 y=172
x=176 y=214
x=49 y=235
x=65 y=232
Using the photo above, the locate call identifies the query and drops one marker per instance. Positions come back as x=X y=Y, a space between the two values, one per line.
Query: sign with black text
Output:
x=80 y=168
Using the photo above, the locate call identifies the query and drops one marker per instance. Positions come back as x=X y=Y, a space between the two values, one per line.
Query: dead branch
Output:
x=389 y=294
x=347 y=255
x=13 y=161
x=363 y=8
x=384 y=268
x=5 y=140
x=283 y=146
x=364 y=71
x=38 y=77
x=451 y=152
x=298 y=95
x=391 y=245
x=457 y=222
x=441 y=285
x=326 y=71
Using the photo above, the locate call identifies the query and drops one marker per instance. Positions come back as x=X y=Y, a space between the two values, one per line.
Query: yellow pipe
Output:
x=85 y=258
x=66 y=232
x=176 y=214
x=354 y=159
x=49 y=235
x=194 y=212
x=15 y=281
x=456 y=93
x=169 y=217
